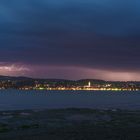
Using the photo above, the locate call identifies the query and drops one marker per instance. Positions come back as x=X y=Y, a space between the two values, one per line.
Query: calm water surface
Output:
x=15 y=99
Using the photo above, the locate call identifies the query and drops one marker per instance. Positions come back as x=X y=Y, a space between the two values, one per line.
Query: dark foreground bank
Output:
x=70 y=124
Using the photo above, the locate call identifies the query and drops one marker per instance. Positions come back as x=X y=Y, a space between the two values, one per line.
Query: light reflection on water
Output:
x=15 y=99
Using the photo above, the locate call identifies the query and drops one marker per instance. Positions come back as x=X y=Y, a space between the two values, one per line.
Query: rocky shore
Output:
x=70 y=124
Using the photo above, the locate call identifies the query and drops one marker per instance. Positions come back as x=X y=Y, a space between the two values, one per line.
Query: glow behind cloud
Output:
x=14 y=70
x=75 y=73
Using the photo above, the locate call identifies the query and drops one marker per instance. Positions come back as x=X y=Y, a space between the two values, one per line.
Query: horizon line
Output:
x=69 y=79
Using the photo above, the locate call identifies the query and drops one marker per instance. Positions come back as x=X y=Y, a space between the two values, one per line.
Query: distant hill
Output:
x=14 y=78
x=81 y=81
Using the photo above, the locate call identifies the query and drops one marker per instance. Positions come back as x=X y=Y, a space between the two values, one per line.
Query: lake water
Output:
x=15 y=99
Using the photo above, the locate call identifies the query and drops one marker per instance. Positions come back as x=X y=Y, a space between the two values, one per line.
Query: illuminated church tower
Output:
x=89 y=84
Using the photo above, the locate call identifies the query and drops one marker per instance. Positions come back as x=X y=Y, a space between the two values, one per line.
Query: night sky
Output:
x=71 y=39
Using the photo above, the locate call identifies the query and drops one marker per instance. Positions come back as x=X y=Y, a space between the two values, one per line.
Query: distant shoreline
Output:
x=117 y=90
x=25 y=83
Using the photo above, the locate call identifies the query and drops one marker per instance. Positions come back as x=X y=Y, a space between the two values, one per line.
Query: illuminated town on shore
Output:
x=24 y=83
x=107 y=87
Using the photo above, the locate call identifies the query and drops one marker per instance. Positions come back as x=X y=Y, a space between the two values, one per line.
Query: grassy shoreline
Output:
x=70 y=124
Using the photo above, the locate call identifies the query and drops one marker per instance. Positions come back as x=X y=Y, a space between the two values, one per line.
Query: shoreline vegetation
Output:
x=70 y=124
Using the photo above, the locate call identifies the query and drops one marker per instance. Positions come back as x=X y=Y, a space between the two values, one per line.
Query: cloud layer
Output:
x=86 y=34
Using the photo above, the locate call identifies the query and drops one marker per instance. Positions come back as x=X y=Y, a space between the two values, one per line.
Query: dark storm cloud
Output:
x=103 y=34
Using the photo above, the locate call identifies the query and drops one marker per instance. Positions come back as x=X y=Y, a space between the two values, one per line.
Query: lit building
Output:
x=89 y=84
